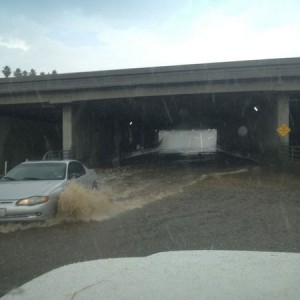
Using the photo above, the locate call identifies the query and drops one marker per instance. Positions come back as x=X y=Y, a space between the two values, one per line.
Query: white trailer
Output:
x=188 y=142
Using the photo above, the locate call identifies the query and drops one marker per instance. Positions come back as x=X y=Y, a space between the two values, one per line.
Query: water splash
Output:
x=121 y=190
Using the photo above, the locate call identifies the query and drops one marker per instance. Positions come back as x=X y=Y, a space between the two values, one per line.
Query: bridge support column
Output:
x=274 y=113
x=283 y=113
x=83 y=137
x=67 y=120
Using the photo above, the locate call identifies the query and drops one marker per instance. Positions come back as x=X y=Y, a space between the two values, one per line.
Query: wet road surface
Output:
x=168 y=207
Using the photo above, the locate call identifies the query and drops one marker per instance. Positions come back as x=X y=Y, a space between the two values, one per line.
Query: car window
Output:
x=76 y=168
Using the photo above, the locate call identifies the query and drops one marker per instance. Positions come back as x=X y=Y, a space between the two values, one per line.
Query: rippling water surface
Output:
x=125 y=188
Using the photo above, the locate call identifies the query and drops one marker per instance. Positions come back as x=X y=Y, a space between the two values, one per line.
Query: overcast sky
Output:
x=88 y=35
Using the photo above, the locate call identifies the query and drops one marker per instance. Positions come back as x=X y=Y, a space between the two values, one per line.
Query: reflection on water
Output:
x=127 y=188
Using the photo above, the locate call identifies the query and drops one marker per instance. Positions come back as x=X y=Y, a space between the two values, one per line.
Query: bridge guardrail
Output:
x=291 y=153
x=58 y=155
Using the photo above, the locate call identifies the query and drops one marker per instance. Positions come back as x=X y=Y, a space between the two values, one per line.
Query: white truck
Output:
x=188 y=142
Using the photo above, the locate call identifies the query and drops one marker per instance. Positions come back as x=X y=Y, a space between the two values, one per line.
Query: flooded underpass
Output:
x=124 y=188
x=134 y=186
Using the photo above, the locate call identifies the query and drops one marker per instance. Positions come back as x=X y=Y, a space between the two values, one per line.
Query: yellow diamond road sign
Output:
x=283 y=130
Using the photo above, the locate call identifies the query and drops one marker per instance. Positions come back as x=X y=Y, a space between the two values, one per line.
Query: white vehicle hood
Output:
x=180 y=275
x=13 y=190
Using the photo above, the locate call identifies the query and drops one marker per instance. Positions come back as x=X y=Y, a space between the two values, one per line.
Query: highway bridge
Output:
x=100 y=114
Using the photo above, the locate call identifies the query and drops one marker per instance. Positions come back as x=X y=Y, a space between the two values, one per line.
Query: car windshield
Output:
x=37 y=171
x=161 y=125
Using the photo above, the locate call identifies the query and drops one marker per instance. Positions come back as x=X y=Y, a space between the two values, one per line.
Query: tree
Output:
x=32 y=72
x=18 y=72
x=6 y=71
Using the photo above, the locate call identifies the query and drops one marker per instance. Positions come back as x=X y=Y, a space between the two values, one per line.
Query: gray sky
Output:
x=76 y=35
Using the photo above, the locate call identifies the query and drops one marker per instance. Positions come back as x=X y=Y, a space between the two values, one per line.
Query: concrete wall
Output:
x=283 y=116
x=95 y=136
x=68 y=126
x=281 y=75
x=274 y=112
x=83 y=134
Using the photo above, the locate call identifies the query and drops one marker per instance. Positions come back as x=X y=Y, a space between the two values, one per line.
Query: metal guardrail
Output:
x=58 y=155
x=289 y=153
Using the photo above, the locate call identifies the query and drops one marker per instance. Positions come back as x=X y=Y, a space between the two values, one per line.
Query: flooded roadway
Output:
x=125 y=188
x=139 y=210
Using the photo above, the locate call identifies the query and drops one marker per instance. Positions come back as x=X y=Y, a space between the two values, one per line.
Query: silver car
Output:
x=30 y=190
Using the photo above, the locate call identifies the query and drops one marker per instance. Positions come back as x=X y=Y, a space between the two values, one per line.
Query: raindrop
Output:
x=242 y=131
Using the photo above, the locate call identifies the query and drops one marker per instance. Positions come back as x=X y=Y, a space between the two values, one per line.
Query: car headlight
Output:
x=33 y=200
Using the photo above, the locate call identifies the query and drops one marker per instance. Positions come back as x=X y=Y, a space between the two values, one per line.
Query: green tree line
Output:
x=7 y=72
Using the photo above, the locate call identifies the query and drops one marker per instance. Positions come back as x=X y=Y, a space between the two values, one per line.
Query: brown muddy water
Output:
x=126 y=188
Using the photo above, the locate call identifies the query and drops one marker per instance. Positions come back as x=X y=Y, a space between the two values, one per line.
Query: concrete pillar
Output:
x=273 y=112
x=83 y=133
x=283 y=113
x=67 y=119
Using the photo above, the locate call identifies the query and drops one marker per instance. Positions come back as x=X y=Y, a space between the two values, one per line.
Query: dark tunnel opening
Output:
x=109 y=132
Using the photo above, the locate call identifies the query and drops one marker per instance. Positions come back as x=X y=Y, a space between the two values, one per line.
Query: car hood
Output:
x=173 y=275
x=12 y=190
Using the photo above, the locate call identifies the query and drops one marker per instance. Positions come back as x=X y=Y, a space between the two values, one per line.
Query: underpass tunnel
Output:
x=246 y=124
x=238 y=119
x=105 y=132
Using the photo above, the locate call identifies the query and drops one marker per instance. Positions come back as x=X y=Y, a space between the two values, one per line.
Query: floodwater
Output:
x=132 y=187
x=121 y=189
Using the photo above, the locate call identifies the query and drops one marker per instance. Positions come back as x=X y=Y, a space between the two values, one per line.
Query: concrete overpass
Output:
x=275 y=75
x=78 y=102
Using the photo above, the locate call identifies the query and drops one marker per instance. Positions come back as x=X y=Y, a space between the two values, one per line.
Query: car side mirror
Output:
x=73 y=176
